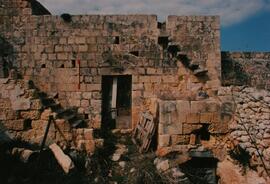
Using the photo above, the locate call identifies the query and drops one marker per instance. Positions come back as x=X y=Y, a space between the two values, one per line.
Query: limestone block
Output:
x=169 y=79
x=206 y=117
x=155 y=79
x=93 y=87
x=45 y=114
x=17 y=125
x=80 y=40
x=175 y=129
x=88 y=134
x=188 y=128
x=164 y=140
x=193 y=118
x=2 y=115
x=64 y=161
x=179 y=139
x=84 y=103
x=83 y=48
x=198 y=106
x=87 y=95
x=62 y=56
x=162 y=129
x=31 y=114
x=39 y=124
x=183 y=106
x=150 y=71
x=192 y=140
x=216 y=118
x=20 y=104
x=212 y=106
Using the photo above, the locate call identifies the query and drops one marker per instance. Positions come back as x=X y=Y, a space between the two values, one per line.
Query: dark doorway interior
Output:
x=116 y=101
x=201 y=170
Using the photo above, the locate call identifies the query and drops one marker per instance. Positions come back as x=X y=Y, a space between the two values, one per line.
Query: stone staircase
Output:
x=194 y=66
x=68 y=114
x=25 y=112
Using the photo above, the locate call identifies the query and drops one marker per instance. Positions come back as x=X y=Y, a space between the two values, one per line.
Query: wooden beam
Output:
x=114 y=93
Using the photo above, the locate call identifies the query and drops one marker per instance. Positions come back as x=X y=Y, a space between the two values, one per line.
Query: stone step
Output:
x=69 y=117
x=193 y=66
x=54 y=107
x=200 y=72
x=63 y=112
x=76 y=123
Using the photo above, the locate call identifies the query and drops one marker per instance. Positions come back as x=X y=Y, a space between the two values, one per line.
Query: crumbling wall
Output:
x=70 y=55
x=246 y=68
x=23 y=115
x=196 y=123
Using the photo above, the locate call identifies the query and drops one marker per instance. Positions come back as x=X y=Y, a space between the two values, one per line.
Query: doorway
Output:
x=116 y=102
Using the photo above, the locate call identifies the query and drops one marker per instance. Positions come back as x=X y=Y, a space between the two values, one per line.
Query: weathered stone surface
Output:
x=21 y=104
x=164 y=140
x=64 y=161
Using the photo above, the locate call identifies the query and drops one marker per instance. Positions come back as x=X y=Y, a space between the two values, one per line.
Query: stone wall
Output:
x=246 y=68
x=251 y=126
x=203 y=123
x=24 y=116
x=176 y=61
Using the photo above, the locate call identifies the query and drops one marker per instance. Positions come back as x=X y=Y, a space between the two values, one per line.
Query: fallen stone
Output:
x=122 y=164
x=116 y=157
x=63 y=160
x=24 y=155
x=163 y=166
x=176 y=173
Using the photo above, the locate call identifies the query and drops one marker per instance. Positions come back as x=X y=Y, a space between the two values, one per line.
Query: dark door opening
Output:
x=201 y=170
x=116 y=102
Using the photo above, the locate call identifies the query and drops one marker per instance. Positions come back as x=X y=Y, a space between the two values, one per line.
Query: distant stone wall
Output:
x=46 y=49
x=246 y=68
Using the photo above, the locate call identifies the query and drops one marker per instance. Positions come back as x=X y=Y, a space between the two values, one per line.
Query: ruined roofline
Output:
x=244 y=54
x=186 y=17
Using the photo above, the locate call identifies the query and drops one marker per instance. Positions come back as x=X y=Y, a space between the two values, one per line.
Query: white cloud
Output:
x=231 y=11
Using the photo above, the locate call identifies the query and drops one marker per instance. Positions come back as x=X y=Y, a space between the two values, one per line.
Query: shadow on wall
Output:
x=233 y=73
x=6 y=58
x=38 y=9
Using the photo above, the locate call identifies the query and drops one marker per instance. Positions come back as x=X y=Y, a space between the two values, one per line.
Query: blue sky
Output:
x=245 y=23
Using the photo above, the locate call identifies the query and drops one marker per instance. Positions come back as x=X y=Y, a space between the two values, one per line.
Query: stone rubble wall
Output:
x=246 y=68
x=22 y=114
x=251 y=126
x=46 y=49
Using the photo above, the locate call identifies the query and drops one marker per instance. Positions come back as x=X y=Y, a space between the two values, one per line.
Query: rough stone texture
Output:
x=246 y=68
x=48 y=49
x=64 y=161
x=25 y=118
x=178 y=81
x=230 y=173
x=179 y=118
x=251 y=126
